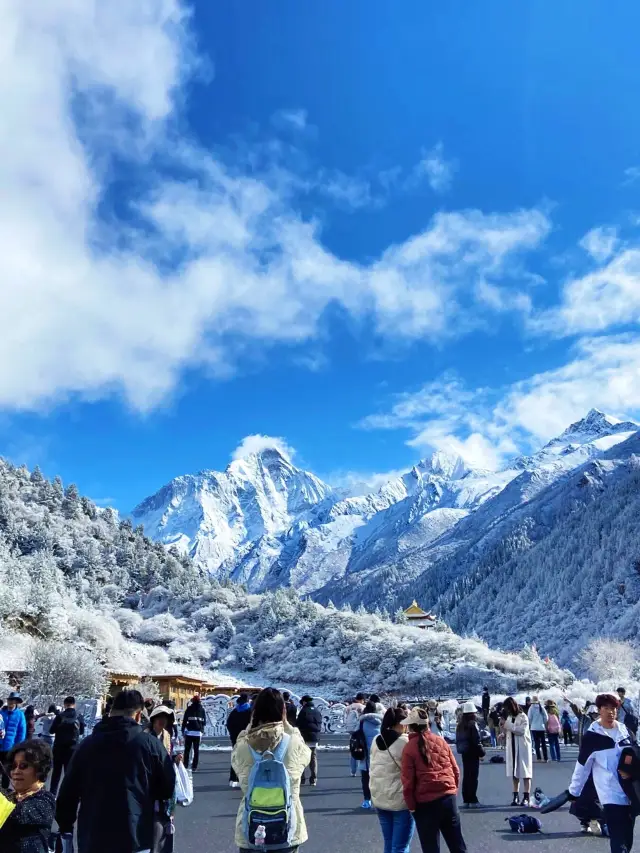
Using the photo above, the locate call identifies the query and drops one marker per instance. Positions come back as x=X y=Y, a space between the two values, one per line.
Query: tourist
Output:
x=193 y=725
x=519 y=762
x=600 y=752
x=116 y=778
x=161 y=725
x=626 y=713
x=376 y=701
x=371 y=725
x=28 y=827
x=538 y=724
x=30 y=717
x=494 y=726
x=470 y=748
x=554 y=728
x=43 y=725
x=586 y=716
x=237 y=721
x=268 y=731
x=430 y=778
x=290 y=705
x=310 y=724
x=435 y=718
x=486 y=704
x=387 y=796
x=15 y=730
x=352 y=714
x=567 y=728
x=67 y=729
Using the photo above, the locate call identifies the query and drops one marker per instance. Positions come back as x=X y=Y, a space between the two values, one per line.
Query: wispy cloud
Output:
x=258 y=443
x=435 y=169
x=631 y=175
x=296 y=119
x=352 y=192
x=600 y=243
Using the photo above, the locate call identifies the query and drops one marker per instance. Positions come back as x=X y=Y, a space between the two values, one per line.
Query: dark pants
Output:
x=439 y=816
x=554 y=747
x=620 y=822
x=313 y=766
x=189 y=742
x=540 y=743
x=366 y=790
x=470 y=771
x=567 y=734
x=61 y=758
x=163 y=841
x=4 y=779
x=288 y=850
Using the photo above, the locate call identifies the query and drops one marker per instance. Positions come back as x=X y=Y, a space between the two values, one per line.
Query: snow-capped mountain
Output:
x=266 y=523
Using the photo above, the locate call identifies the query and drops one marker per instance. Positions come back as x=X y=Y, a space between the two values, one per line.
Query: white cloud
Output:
x=356 y=483
x=296 y=119
x=600 y=243
x=485 y=426
x=257 y=443
x=350 y=191
x=437 y=171
x=632 y=174
x=213 y=265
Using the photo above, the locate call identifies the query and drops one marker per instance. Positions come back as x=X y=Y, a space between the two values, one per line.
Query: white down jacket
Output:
x=386 y=762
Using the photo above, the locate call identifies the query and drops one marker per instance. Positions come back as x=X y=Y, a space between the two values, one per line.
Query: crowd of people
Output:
x=117 y=788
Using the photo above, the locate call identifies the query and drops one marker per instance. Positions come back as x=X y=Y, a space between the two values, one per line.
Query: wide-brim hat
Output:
x=417 y=717
x=432 y=705
x=14 y=696
x=469 y=708
x=162 y=709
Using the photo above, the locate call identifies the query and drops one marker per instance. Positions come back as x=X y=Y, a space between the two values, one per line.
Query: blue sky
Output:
x=371 y=232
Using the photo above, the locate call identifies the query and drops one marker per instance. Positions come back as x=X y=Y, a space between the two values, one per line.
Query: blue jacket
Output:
x=371 y=725
x=15 y=728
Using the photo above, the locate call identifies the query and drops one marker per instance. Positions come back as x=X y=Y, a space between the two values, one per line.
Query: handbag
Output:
x=184 y=786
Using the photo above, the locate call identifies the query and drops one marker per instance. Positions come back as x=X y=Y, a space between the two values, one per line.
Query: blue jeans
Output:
x=494 y=737
x=397 y=830
x=554 y=746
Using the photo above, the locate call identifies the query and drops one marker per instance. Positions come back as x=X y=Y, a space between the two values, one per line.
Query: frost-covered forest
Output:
x=74 y=573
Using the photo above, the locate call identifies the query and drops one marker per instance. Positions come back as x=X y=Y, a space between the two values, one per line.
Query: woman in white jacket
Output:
x=395 y=818
x=519 y=761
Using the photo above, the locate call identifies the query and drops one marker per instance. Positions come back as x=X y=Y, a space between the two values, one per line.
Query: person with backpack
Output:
x=15 y=731
x=387 y=796
x=352 y=714
x=237 y=721
x=67 y=729
x=292 y=711
x=368 y=729
x=567 y=728
x=430 y=777
x=538 y=726
x=270 y=757
x=469 y=746
x=600 y=754
x=117 y=777
x=193 y=725
x=519 y=761
x=310 y=724
x=553 y=730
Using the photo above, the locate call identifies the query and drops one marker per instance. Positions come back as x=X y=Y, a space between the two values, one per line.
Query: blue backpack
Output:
x=268 y=800
x=524 y=823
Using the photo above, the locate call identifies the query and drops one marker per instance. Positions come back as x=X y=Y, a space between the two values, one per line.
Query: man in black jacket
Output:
x=292 y=711
x=310 y=725
x=237 y=721
x=486 y=704
x=117 y=775
x=68 y=728
x=193 y=723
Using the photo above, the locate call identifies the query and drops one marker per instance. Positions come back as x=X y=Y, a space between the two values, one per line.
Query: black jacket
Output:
x=28 y=827
x=468 y=741
x=238 y=720
x=116 y=776
x=67 y=727
x=292 y=713
x=194 y=719
x=486 y=703
x=310 y=723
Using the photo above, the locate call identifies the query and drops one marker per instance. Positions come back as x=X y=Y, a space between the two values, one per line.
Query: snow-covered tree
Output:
x=56 y=670
x=610 y=660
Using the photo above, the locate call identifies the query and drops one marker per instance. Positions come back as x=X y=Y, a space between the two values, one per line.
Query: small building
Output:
x=418 y=618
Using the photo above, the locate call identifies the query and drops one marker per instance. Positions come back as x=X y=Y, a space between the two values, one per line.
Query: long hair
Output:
x=511 y=707
x=370 y=708
x=421 y=731
x=467 y=721
x=268 y=707
x=393 y=717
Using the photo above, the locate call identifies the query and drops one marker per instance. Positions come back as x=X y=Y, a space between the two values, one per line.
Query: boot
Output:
x=515 y=801
x=526 y=801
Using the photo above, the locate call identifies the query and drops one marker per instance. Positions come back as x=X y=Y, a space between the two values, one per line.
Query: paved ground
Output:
x=336 y=823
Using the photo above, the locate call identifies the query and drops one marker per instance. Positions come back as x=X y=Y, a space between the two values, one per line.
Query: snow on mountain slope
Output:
x=266 y=523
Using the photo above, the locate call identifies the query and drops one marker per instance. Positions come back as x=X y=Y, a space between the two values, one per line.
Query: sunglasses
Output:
x=20 y=765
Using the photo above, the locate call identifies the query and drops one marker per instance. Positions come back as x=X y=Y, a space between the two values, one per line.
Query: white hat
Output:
x=417 y=717
x=162 y=709
x=469 y=708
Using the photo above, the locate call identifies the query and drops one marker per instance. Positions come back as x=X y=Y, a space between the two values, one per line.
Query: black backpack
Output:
x=358 y=745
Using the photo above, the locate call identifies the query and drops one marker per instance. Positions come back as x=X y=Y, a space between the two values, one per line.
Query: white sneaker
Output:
x=235 y=784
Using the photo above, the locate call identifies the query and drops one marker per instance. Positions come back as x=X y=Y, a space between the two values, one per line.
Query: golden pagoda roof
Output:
x=415 y=610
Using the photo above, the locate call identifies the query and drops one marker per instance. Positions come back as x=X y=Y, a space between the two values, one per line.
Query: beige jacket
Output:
x=297 y=758
x=385 y=782
x=518 y=758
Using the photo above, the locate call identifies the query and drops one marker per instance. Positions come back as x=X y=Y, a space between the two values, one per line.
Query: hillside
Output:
x=74 y=573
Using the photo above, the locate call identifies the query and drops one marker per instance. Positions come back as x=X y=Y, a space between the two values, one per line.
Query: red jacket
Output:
x=422 y=783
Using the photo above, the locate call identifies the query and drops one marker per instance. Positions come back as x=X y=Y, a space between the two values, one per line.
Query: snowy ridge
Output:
x=266 y=523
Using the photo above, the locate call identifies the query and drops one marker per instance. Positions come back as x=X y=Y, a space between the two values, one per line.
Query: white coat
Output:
x=385 y=780
x=518 y=758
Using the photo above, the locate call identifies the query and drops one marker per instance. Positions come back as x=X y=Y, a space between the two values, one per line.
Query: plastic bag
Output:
x=184 y=786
